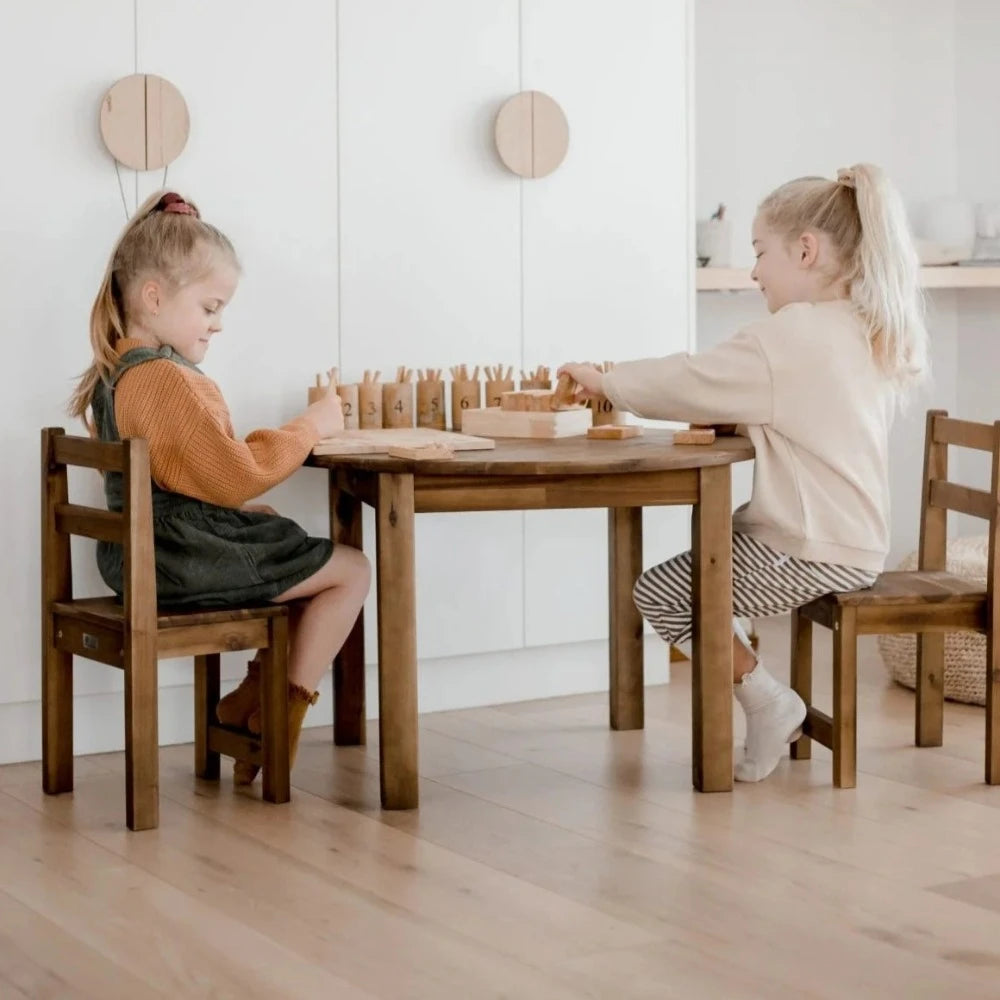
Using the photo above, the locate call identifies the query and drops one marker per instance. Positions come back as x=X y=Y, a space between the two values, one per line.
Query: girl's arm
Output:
x=192 y=448
x=729 y=384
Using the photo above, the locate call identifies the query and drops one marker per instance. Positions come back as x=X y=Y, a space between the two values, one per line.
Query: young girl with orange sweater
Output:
x=161 y=302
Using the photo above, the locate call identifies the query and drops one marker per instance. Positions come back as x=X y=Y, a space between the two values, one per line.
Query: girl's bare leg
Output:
x=333 y=598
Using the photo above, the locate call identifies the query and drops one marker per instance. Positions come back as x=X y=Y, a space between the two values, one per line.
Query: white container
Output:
x=714 y=242
x=945 y=230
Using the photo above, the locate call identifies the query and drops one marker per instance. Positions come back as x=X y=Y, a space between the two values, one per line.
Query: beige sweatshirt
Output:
x=803 y=386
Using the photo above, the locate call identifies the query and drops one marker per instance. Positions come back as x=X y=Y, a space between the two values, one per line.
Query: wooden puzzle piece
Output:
x=564 y=395
x=614 y=432
x=527 y=401
x=697 y=436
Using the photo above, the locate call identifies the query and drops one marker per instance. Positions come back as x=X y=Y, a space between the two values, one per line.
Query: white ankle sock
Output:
x=741 y=634
x=774 y=719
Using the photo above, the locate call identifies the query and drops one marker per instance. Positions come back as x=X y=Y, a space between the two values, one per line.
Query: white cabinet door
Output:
x=261 y=162
x=60 y=211
x=606 y=253
x=430 y=265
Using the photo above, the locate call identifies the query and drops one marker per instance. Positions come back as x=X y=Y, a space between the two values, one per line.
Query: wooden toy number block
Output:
x=430 y=405
x=465 y=395
x=370 y=405
x=397 y=404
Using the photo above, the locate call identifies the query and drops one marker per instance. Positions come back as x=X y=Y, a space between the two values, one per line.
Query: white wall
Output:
x=977 y=43
x=346 y=148
x=785 y=89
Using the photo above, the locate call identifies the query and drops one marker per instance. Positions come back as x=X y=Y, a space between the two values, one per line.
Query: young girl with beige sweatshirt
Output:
x=815 y=387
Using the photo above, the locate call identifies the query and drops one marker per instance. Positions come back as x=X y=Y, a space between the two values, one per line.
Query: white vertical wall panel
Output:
x=606 y=250
x=59 y=213
x=261 y=163
x=430 y=269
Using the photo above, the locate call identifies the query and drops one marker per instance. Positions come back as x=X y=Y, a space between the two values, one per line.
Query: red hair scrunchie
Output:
x=172 y=202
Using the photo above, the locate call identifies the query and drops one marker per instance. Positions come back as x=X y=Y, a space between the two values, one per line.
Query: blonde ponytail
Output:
x=863 y=215
x=885 y=281
x=155 y=243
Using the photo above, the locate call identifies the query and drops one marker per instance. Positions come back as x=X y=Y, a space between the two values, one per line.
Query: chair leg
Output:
x=57 y=720
x=801 y=660
x=142 y=745
x=274 y=714
x=845 y=698
x=992 y=710
x=206 y=697
x=930 y=690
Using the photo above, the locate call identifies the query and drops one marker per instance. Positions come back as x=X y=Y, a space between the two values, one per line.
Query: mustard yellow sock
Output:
x=299 y=701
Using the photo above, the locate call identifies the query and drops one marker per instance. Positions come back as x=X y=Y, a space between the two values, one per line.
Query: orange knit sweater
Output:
x=192 y=447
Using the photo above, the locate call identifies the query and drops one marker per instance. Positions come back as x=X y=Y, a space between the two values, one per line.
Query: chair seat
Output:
x=915 y=586
x=94 y=626
x=110 y=612
x=907 y=601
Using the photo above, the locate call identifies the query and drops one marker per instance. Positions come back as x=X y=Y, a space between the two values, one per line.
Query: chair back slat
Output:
x=963 y=434
x=963 y=499
x=91 y=522
x=107 y=456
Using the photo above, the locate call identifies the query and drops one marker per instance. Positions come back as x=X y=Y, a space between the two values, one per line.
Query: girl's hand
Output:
x=587 y=377
x=258 y=508
x=721 y=430
x=327 y=413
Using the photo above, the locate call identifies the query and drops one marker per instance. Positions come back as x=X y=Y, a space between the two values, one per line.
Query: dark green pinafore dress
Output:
x=206 y=555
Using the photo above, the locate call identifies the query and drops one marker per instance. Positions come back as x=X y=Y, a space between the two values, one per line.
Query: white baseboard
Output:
x=449 y=683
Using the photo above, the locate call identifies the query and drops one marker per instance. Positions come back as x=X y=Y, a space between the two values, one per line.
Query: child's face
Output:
x=186 y=319
x=790 y=270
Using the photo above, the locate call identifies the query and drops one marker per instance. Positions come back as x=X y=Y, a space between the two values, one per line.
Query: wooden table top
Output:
x=653 y=451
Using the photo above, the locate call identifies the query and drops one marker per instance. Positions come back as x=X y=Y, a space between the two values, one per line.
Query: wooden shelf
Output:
x=717 y=279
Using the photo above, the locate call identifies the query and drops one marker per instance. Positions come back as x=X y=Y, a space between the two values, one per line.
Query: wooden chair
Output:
x=928 y=601
x=134 y=635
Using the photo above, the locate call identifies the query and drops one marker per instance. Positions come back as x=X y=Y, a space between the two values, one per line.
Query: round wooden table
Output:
x=624 y=476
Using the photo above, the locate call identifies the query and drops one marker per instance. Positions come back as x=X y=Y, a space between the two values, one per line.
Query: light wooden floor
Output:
x=549 y=858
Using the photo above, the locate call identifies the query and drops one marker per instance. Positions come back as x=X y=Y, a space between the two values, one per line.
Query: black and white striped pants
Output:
x=765 y=583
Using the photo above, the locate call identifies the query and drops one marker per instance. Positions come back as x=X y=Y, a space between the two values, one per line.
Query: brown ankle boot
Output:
x=237 y=707
x=299 y=700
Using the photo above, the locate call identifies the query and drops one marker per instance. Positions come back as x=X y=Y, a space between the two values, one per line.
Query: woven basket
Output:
x=964 y=652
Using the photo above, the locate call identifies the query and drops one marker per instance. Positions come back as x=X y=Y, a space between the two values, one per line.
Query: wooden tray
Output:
x=379 y=441
x=494 y=422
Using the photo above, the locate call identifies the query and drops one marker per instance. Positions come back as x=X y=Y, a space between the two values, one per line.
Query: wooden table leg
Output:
x=712 y=643
x=346 y=528
x=397 y=641
x=625 y=634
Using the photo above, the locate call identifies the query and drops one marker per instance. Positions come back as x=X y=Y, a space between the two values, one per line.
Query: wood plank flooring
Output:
x=550 y=858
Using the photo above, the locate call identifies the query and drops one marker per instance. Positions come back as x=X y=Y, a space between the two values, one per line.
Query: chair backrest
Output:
x=941 y=495
x=132 y=528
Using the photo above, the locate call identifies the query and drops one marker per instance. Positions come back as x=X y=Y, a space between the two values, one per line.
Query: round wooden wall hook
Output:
x=144 y=121
x=532 y=134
